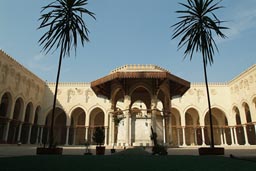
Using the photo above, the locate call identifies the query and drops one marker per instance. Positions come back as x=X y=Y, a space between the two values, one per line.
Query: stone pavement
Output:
x=23 y=150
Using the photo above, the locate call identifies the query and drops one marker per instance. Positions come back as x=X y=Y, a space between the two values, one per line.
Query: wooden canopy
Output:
x=178 y=86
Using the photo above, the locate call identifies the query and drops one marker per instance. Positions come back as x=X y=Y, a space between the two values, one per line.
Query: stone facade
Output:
x=26 y=104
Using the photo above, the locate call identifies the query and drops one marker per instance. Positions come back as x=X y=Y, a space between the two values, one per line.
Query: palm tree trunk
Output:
x=209 y=104
x=54 y=101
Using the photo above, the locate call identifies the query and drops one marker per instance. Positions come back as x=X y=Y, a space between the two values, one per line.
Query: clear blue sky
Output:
x=129 y=32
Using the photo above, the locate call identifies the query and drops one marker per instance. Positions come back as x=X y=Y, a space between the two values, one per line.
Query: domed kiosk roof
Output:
x=177 y=86
x=139 y=68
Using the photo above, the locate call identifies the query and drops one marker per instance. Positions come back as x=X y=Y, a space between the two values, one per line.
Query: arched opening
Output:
x=35 y=128
x=239 y=128
x=59 y=127
x=176 y=130
x=140 y=124
x=249 y=126
x=160 y=123
x=5 y=107
x=77 y=127
x=96 y=120
x=221 y=131
x=192 y=130
x=15 y=124
x=247 y=113
x=27 y=124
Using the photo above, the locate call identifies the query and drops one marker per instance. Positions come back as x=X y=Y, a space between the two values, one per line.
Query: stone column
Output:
x=255 y=127
x=245 y=135
x=86 y=133
x=183 y=135
x=6 y=131
x=153 y=107
x=19 y=132
x=221 y=136
x=67 y=136
x=203 y=136
x=127 y=102
x=232 y=136
x=29 y=134
x=166 y=128
x=37 y=134
x=195 y=132
x=170 y=129
x=41 y=135
x=106 y=135
x=164 y=134
x=112 y=130
x=235 y=135
x=127 y=124
x=224 y=136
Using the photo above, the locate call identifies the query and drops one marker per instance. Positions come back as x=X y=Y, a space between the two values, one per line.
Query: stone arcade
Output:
x=138 y=96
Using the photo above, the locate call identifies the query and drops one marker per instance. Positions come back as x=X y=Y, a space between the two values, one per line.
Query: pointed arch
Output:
x=247 y=112
x=239 y=131
x=26 y=126
x=5 y=105
x=140 y=124
x=220 y=127
x=97 y=119
x=176 y=130
x=59 y=131
x=192 y=129
x=77 y=126
x=5 y=112
x=16 y=121
x=141 y=92
x=35 y=127
x=18 y=109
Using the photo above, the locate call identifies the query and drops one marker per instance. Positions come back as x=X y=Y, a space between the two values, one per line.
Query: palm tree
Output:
x=197 y=26
x=64 y=20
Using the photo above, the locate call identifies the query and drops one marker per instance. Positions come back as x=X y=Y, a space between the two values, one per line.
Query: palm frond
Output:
x=196 y=28
x=66 y=26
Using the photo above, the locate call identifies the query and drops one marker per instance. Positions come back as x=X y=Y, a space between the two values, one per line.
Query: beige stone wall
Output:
x=243 y=91
x=19 y=82
x=196 y=98
x=74 y=95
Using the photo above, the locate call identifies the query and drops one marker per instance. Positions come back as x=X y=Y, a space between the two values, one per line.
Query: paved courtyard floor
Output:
x=13 y=157
x=28 y=150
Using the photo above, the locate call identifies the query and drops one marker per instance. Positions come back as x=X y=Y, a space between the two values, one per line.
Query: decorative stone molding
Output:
x=70 y=93
x=88 y=93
